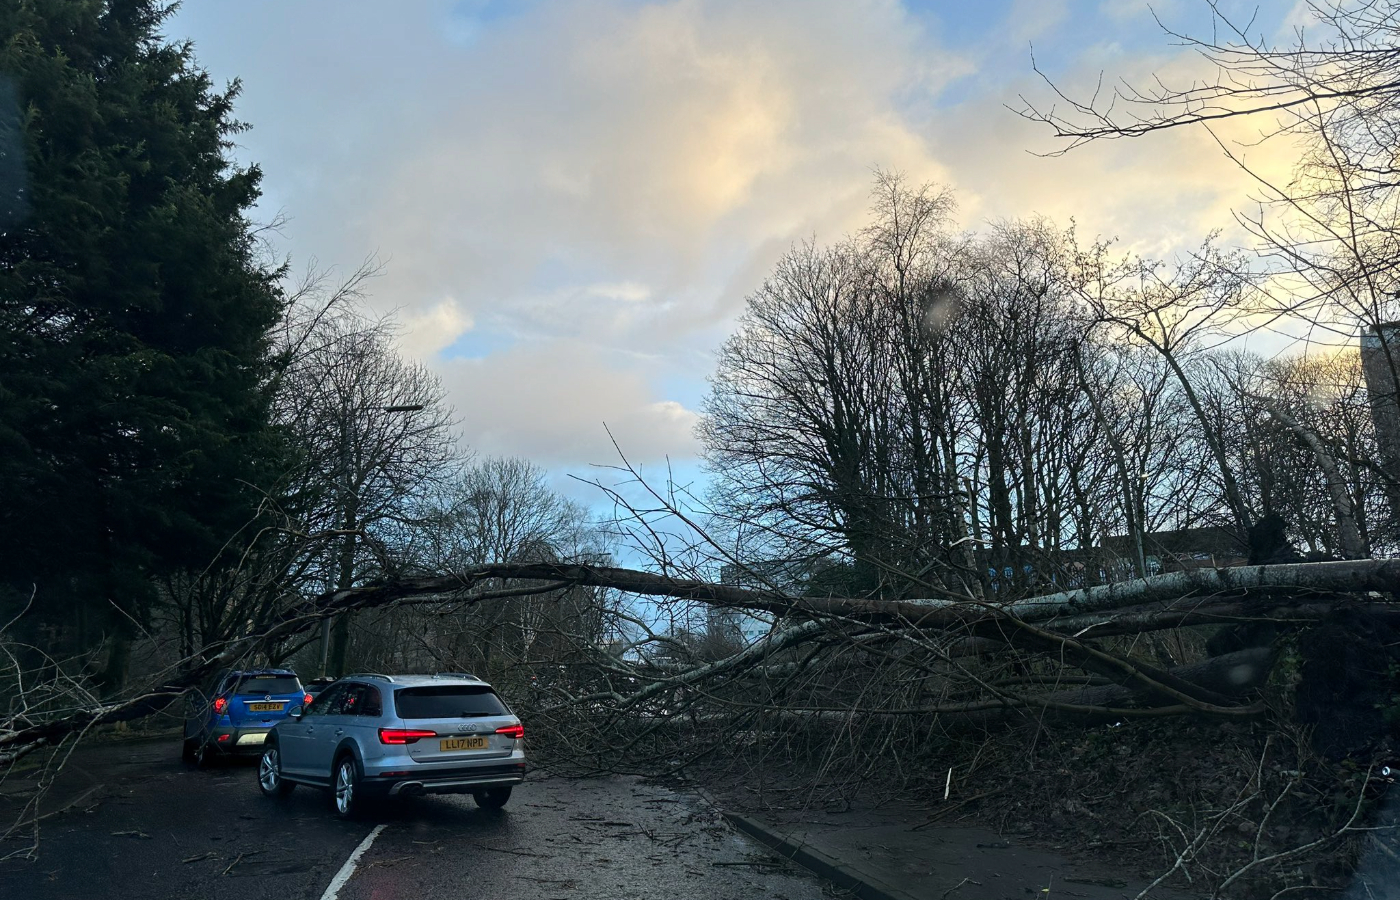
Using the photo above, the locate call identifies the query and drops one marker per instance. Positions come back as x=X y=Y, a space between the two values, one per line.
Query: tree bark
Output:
x=1266 y=587
x=1279 y=584
x=1233 y=675
x=1348 y=533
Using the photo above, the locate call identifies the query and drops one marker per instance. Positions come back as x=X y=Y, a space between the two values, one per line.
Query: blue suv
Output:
x=234 y=717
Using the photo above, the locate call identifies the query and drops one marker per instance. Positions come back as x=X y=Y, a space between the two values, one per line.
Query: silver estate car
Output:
x=368 y=736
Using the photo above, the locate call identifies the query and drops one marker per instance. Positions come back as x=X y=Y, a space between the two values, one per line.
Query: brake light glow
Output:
x=306 y=700
x=512 y=731
x=224 y=738
x=403 y=735
x=220 y=705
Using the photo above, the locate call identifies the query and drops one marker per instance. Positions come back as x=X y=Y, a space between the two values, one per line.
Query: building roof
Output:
x=1209 y=541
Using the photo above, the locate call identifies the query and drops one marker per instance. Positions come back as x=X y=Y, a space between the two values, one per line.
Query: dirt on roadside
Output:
x=1131 y=799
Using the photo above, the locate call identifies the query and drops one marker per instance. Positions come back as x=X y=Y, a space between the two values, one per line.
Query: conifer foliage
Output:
x=134 y=312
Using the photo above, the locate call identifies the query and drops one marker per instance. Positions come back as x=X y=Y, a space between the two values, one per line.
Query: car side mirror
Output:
x=296 y=712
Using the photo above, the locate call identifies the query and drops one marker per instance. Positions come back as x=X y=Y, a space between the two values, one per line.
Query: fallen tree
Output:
x=1265 y=584
x=1231 y=675
x=1058 y=625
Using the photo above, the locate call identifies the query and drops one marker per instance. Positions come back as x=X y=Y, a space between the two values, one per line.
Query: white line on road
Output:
x=338 y=882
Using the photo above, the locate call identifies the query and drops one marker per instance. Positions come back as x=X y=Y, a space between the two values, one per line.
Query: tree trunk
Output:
x=1353 y=547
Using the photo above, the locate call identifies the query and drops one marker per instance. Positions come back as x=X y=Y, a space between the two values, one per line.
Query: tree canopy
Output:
x=134 y=310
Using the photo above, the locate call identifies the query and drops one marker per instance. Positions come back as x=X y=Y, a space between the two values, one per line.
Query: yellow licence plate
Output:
x=265 y=707
x=464 y=743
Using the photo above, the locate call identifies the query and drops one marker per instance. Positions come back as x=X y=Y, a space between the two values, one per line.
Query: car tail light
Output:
x=512 y=731
x=221 y=705
x=403 y=735
x=306 y=700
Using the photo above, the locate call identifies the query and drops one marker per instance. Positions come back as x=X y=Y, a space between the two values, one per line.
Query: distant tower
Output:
x=725 y=626
x=1380 y=362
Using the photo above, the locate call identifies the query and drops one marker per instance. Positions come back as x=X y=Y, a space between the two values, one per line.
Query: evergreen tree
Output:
x=133 y=313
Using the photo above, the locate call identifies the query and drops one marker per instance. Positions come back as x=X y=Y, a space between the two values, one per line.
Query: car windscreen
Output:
x=448 y=702
x=269 y=684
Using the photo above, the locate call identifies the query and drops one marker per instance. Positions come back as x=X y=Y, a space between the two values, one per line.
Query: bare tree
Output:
x=1175 y=312
x=365 y=436
x=376 y=433
x=501 y=510
x=278 y=558
x=1329 y=234
x=901 y=398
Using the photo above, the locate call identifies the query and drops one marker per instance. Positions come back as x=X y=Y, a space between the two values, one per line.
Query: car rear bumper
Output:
x=452 y=781
x=239 y=741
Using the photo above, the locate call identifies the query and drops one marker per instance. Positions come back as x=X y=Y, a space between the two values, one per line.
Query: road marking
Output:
x=338 y=882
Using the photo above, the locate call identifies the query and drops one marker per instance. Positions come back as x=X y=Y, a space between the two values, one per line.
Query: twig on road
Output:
x=67 y=806
x=242 y=856
x=512 y=852
x=958 y=885
x=752 y=862
x=947 y=809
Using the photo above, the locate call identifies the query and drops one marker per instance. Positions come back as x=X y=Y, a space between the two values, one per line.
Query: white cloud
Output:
x=626 y=291
x=1128 y=10
x=599 y=184
x=651 y=142
x=555 y=402
x=1158 y=194
x=1031 y=19
x=617 y=178
x=424 y=333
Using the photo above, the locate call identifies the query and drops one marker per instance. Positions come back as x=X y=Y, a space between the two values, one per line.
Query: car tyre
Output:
x=270 y=780
x=348 y=791
x=203 y=754
x=187 y=750
x=493 y=798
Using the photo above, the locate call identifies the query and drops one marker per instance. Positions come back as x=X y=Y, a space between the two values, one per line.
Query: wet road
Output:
x=609 y=838
x=142 y=825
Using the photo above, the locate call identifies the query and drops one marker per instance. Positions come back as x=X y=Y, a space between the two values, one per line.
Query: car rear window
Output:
x=448 y=702
x=269 y=684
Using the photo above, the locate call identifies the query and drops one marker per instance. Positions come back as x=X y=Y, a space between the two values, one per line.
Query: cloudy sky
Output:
x=572 y=199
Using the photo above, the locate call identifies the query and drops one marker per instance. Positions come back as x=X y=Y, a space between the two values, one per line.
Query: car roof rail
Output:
x=369 y=675
x=466 y=675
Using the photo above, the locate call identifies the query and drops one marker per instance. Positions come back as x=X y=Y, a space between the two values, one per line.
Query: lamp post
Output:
x=345 y=570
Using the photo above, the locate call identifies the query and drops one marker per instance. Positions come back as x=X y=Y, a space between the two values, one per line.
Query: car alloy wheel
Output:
x=345 y=787
x=270 y=778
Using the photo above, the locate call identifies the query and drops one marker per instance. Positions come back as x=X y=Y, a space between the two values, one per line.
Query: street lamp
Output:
x=346 y=569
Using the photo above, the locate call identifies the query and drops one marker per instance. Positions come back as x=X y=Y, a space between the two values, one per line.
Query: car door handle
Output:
x=339 y=732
